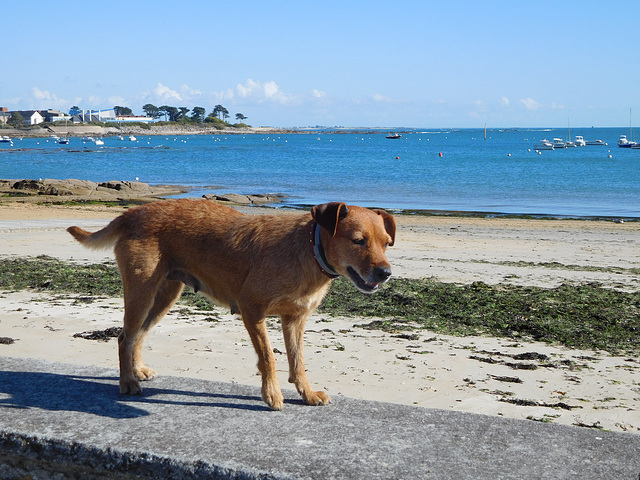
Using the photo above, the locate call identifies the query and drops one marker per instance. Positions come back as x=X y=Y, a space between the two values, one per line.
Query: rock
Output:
x=29 y=185
x=239 y=199
x=233 y=198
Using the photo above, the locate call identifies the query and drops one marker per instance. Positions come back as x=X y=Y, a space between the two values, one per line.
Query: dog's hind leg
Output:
x=167 y=294
x=147 y=297
x=293 y=330
x=257 y=327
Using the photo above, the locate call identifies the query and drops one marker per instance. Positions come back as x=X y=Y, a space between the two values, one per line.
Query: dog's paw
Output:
x=130 y=387
x=316 y=398
x=273 y=398
x=144 y=373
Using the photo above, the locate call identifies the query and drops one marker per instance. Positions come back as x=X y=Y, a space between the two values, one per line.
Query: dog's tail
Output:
x=104 y=238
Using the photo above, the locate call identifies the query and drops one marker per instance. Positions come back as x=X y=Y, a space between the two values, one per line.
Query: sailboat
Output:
x=64 y=140
x=569 y=143
x=628 y=143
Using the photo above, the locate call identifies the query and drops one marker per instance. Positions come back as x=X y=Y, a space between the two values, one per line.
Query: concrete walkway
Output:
x=70 y=420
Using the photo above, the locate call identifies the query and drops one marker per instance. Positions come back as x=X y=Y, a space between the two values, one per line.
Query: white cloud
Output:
x=165 y=93
x=117 y=100
x=188 y=92
x=505 y=102
x=555 y=106
x=318 y=94
x=46 y=99
x=95 y=101
x=261 y=92
x=377 y=97
x=530 y=104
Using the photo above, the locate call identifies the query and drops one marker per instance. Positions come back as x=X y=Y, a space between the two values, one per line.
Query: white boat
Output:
x=558 y=143
x=544 y=145
x=63 y=141
x=5 y=139
x=580 y=141
x=132 y=138
x=596 y=142
x=569 y=144
x=624 y=143
x=98 y=141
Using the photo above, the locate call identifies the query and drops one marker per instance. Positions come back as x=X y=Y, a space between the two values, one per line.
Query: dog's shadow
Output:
x=100 y=396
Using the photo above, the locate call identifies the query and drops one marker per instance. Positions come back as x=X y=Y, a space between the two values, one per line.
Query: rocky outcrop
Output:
x=52 y=190
x=238 y=199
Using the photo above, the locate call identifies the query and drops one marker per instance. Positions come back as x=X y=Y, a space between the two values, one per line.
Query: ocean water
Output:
x=503 y=174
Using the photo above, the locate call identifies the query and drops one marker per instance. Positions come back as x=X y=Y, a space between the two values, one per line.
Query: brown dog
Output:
x=257 y=265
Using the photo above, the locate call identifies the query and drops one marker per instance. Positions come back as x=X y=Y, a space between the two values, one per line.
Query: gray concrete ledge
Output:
x=64 y=421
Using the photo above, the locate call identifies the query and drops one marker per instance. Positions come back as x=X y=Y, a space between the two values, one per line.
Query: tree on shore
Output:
x=75 y=110
x=197 y=114
x=220 y=112
x=182 y=114
x=152 y=111
x=122 y=111
x=16 y=119
x=240 y=117
x=174 y=114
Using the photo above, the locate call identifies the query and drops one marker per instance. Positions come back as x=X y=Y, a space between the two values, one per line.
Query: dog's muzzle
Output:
x=378 y=276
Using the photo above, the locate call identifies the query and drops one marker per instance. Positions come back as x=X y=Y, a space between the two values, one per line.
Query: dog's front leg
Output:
x=293 y=330
x=271 y=393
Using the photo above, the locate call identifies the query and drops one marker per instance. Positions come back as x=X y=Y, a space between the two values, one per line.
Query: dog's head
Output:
x=355 y=241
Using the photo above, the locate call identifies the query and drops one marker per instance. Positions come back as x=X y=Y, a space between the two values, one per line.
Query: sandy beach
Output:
x=573 y=387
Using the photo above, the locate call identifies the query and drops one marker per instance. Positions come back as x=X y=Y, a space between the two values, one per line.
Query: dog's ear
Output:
x=329 y=214
x=389 y=225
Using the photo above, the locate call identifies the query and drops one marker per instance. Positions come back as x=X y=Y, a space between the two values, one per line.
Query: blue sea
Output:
x=426 y=169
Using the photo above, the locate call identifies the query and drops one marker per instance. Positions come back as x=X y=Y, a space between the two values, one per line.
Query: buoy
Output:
x=508 y=155
x=440 y=154
x=397 y=158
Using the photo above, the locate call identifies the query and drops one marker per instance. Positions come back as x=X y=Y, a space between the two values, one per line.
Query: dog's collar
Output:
x=318 y=252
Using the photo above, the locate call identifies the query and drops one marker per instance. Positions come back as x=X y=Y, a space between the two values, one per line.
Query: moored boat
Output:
x=394 y=135
x=5 y=139
x=579 y=142
x=625 y=143
x=595 y=142
x=544 y=145
x=558 y=143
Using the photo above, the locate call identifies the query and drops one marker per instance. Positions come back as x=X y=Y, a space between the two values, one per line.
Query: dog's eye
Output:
x=360 y=241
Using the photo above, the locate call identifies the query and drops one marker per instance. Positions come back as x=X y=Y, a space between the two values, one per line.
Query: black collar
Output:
x=318 y=252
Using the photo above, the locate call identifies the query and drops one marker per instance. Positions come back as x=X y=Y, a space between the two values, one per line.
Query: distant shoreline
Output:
x=202 y=129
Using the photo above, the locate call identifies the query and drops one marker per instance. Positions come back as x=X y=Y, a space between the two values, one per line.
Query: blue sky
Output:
x=350 y=63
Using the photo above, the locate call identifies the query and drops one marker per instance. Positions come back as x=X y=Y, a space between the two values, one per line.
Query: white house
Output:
x=31 y=117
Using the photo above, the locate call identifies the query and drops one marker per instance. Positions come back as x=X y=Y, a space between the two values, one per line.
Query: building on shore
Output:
x=133 y=118
x=35 y=117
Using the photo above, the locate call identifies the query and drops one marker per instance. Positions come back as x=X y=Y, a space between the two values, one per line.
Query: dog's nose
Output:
x=381 y=274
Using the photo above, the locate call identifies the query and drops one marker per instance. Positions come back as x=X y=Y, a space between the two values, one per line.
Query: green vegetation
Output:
x=578 y=316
